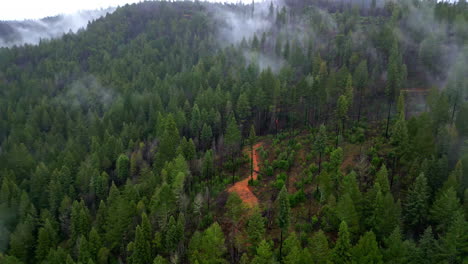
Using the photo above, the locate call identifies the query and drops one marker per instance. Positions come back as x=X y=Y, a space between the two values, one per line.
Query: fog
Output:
x=33 y=31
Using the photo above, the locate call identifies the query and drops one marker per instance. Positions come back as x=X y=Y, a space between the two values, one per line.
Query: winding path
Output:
x=242 y=187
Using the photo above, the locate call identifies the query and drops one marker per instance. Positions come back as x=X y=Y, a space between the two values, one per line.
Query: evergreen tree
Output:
x=264 y=254
x=426 y=250
x=417 y=204
x=445 y=209
x=206 y=136
x=367 y=250
x=283 y=214
x=319 y=248
x=346 y=211
x=453 y=246
x=123 y=166
x=168 y=143
x=395 y=80
x=255 y=228
x=232 y=138
x=320 y=143
x=252 y=139
x=360 y=80
x=395 y=249
x=141 y=253
x=46 y=239
x=342 y=250
x=382 y=180
x=208 y=247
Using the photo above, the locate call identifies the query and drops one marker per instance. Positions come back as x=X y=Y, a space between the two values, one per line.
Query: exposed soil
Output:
x=242 y=187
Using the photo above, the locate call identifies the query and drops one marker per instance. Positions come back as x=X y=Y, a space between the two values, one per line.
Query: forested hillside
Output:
x=290 y=131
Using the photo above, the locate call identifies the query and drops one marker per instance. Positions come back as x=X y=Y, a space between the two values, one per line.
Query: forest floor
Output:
x=242 y=187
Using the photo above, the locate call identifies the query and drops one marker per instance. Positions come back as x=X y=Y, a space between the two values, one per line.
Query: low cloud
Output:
x=33 y=31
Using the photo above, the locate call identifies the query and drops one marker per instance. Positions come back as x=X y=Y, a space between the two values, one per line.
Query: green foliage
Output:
x=367 y=250
x=235 y=208
x=283 y=209
x=342 y=250
x=319 y=247
x=445 y=209
x=123 y=167
x=255 y=228
x=208 y=247
x=264 y=254
x=416 y=207
x=115 y=141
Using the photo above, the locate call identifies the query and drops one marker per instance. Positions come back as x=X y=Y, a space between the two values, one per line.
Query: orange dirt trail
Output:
x=242 y=187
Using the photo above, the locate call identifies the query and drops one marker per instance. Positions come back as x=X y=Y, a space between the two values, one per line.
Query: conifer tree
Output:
x=417 y=204
x=123 y=167
x=46 y=239
x=445 y=209
x=141 y=253
x=255 y=228
x=252 y=139
x=319 y=247
x=320 y=143
x=283 y=214
x=342 y=250
x=264 y=254
x=367 y=250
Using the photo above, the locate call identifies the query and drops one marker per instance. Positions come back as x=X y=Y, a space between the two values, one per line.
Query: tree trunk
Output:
x=388 y=117
x=453 y=110
x=342 y=126
x=359 y=106
x=320 y=162
x=337 y=134
x=251 y=161
x=281 y=245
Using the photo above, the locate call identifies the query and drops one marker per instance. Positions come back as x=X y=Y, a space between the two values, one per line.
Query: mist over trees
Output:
x=118 y=143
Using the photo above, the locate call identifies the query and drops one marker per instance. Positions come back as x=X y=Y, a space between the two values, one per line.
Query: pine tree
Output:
x=382 y=180
x=172 y=236
x=195 y=122
x=168 y=143
x=396 y=77
x=264 y=254
x=417 y=204
x=426 y=250
x=232 y=138
x=206 y=136
x=342 y=108
x=367 y=250
x=252 y=139
x=243 y=107
x=95 y=243
x=444 y=210
x=319 y=248
x=141 y=248
x=255 y=228
x=46 y=239
x=342 y=250
x=123 y=166
x=235 y=208
x=208 y=247
x=395 y=250
x=159 y=260
x=283 y=214
x=360 y=81
x=320 y=143
x=346 y=211
x=453 y=246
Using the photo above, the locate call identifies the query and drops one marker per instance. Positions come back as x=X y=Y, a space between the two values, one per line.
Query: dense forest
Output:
x=292 y=131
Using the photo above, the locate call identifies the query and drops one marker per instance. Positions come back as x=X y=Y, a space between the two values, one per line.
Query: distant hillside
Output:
x=32 y=31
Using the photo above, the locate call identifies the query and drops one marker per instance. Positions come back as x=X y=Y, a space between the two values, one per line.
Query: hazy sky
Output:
x=28 y=9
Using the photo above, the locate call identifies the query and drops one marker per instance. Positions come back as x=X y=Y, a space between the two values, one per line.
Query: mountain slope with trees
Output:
x=118 y=143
